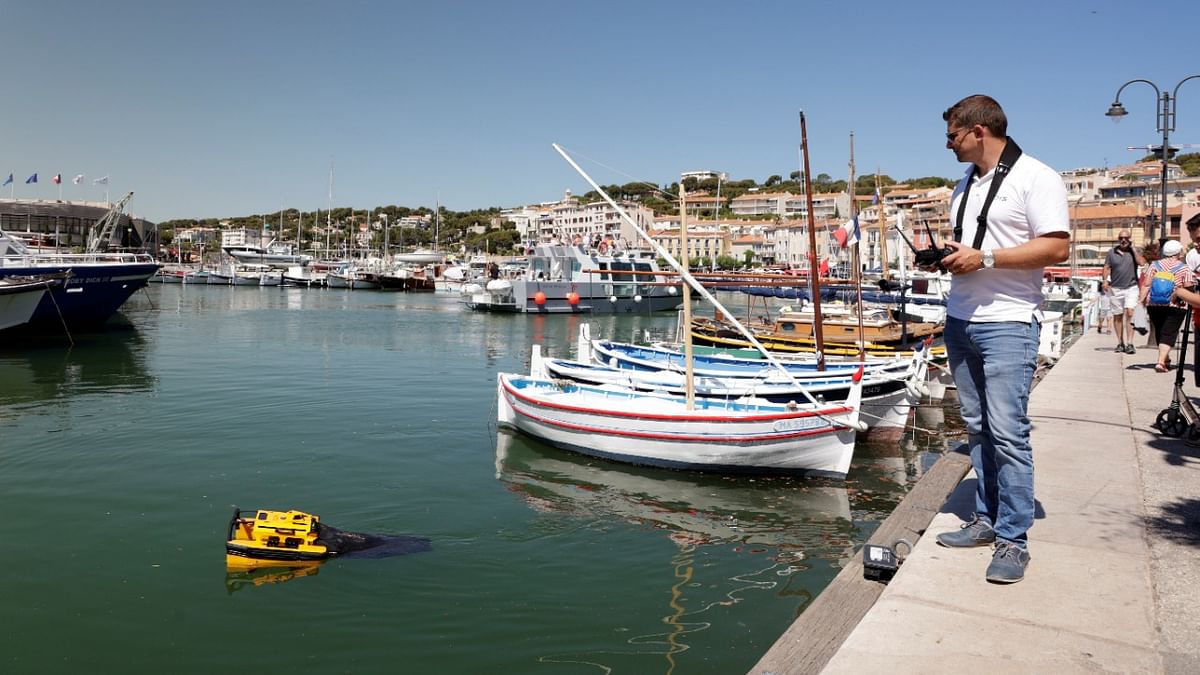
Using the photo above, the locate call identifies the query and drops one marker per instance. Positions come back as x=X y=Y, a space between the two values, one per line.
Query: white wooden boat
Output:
x=888 y=394
x=659 y=429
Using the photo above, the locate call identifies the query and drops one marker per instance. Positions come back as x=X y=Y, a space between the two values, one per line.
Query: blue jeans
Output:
x=992 y=365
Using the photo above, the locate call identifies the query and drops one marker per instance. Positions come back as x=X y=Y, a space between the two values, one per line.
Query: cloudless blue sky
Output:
x=219 y=108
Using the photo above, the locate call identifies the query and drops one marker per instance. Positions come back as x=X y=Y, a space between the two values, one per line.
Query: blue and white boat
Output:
x=96 y=283
x=563 y=279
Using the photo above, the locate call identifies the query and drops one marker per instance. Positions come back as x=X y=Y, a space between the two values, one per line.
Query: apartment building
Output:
x=761 y=204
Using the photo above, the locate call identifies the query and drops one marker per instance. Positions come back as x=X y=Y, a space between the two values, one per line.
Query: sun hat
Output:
x=1172 y=248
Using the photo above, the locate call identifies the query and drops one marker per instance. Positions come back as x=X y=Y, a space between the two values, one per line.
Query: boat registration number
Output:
x=800 y=424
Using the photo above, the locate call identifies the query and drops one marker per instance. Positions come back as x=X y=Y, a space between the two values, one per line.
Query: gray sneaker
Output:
x=975 y=533
x=1008 y=563
x=1130 y=349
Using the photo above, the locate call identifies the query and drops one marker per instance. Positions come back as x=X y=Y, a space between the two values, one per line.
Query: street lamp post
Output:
x=1166 y=124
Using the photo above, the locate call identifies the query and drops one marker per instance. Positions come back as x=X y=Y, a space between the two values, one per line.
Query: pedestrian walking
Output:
x=1166 y=310
x=1120 y=278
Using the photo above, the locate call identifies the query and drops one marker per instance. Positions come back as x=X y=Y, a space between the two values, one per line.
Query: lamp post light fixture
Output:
x=1166 y=124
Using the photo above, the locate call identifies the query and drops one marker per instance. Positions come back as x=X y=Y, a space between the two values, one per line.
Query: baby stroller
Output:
x=1180 y=418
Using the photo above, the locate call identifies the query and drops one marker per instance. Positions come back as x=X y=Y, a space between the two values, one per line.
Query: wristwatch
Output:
x=989 y=260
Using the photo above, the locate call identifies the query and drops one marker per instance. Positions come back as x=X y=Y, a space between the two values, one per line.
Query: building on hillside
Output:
x=756 y=244
x=568 y=219
x=241 y=236
x=1085 y=183
x=826 y=205
x=761 y=204
x=707 y=242
x=1094 y=228
x=789 y=246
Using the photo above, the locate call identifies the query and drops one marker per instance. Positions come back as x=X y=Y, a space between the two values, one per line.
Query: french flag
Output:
x=848 y=233
x=57 y=180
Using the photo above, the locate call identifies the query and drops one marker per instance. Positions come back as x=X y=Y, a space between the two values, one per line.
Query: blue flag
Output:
x=31 y=179
x=9 y=179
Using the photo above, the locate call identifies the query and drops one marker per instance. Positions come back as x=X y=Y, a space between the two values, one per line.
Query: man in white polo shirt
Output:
x=1010 y=218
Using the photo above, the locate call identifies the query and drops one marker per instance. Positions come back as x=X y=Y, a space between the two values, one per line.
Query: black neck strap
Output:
x=1008 y=157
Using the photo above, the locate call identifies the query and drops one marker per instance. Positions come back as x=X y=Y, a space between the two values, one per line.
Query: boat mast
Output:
x=814 y=283
x=883 y=252
x=329 y=208
x=856 y=260
x=689 y=384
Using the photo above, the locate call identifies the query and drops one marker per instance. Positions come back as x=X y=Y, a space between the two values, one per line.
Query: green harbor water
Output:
x=122 y=458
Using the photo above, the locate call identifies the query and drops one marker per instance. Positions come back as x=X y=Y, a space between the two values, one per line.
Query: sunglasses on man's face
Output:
x=1122 y=238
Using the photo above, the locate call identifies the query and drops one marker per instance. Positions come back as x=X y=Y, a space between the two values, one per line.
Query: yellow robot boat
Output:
x=262 y=538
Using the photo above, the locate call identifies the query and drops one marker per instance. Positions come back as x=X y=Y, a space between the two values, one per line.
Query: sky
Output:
x=216 y=109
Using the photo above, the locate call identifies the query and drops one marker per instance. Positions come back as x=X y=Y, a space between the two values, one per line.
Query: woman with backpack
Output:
x=1166 y=311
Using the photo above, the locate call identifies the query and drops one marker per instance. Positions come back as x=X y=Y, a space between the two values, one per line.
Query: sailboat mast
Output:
x=883 y=252
x=814 y=283
x=689 y=384
x=329 y=208
x=856 y=260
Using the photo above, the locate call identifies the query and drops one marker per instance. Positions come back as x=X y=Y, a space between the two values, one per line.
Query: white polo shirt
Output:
x=1032 y=201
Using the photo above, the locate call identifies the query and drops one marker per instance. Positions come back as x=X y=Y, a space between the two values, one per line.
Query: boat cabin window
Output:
x=624 y=286
x=786 y=327
x=643 y=288
x=603 y=266
x=920 y=285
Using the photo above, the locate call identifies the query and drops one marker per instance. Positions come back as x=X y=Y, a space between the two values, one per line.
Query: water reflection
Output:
x=105 y=362
x=692 y=509
x=237 y=580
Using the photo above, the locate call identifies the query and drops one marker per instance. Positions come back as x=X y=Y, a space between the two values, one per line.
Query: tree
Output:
x=748 y=255
x=795 y=175
x=773 y=180
x=726 y=262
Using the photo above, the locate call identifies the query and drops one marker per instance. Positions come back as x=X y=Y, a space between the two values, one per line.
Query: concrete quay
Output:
x=1114 y=580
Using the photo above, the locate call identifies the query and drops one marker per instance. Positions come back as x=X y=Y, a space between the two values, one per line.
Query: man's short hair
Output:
x=978 y=109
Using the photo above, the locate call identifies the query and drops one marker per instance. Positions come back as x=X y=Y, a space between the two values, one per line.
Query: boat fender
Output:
x=637 y=298
x=919 y=390
x=612 y=299
x=573 y=298
x=539 y=298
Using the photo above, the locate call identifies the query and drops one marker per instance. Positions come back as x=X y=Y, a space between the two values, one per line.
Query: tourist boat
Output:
x=660 y=429
x=575 y=279
x=99 y=282
x=281 y=255
x=261 y=538
x=20 y=297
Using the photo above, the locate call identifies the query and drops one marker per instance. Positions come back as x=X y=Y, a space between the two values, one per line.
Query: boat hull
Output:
x=660 y=431
x=88 y=297
x=18 y=303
